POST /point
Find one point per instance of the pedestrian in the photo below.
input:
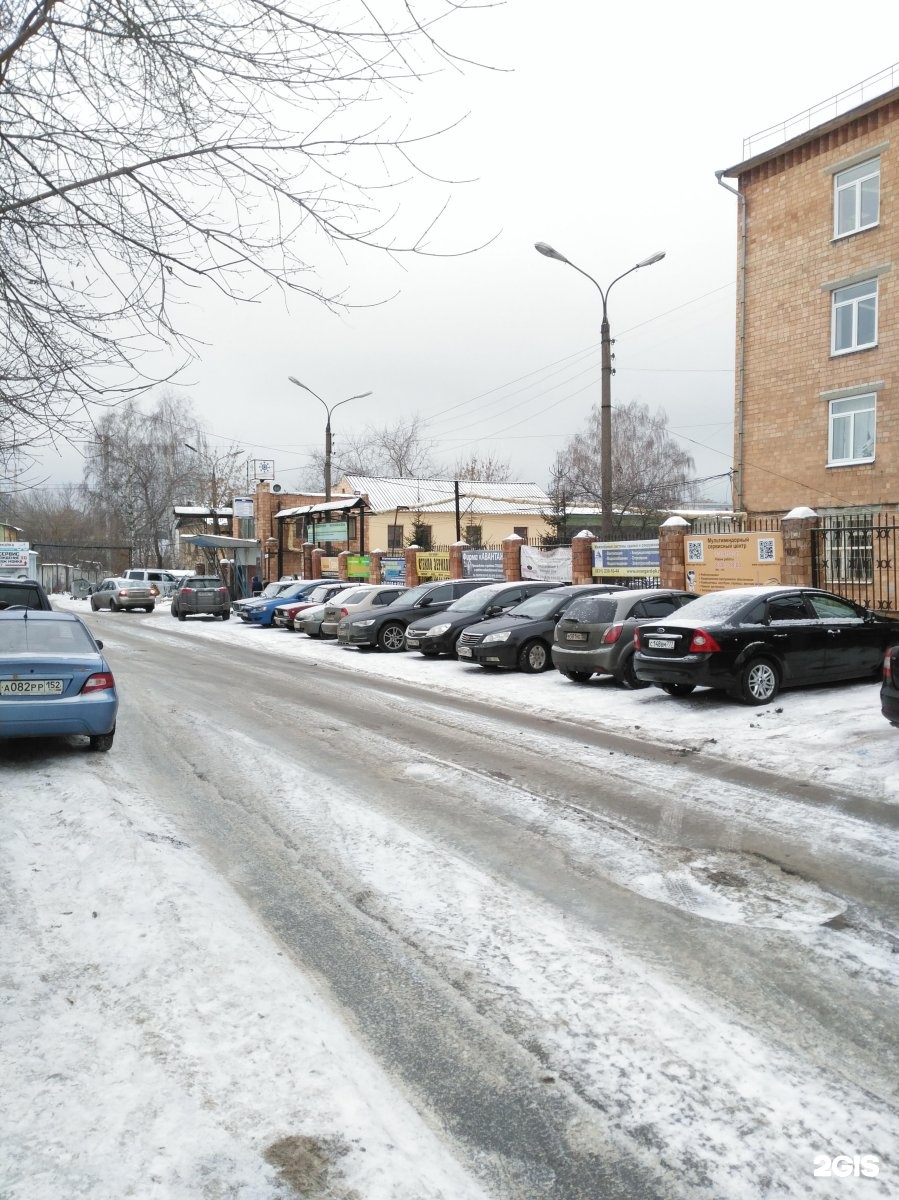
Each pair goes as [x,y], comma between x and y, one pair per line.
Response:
[256,585]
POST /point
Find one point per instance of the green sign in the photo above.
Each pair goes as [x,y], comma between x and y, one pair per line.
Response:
[357,566]
[330,531]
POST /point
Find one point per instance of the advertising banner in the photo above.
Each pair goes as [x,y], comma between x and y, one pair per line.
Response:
[551,565]
[627,560]
[330,567]
[432,566]
[357,566]
[393,568]
[482,564]
[14,554]
[242,507]
[724,560]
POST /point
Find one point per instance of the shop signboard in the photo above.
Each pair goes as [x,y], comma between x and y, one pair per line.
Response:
[482,564]
[357,566]
[14,554]
[552,565]
[329,531]
[432,566]
[393,568]
[725,560]
[627,560]
[242,507]
[330,567]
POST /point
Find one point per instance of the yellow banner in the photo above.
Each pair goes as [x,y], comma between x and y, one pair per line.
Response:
[432,566]
[725,560]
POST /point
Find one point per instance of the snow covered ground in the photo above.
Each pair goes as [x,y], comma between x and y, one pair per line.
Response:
[193,1060]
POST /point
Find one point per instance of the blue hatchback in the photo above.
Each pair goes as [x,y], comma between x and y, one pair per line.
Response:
[262,610]
[53,679]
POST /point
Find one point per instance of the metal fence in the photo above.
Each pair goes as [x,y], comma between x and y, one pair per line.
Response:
[737,524]
[857,558]
[63,562]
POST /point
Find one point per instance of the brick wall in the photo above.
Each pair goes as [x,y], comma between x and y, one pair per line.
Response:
[791,255]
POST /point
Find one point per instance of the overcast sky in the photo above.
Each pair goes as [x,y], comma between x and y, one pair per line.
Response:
[600,134]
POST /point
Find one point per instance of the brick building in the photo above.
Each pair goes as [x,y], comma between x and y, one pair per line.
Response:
[817,391]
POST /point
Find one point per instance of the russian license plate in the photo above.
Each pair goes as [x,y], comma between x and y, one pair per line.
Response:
[575,637]
[31,687]
[413,642]
[464,651]
[660,643]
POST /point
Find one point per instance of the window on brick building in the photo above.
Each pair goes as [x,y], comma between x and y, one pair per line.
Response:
[853,423]
[854,317]
[522,531]
[395,537]
[856,198]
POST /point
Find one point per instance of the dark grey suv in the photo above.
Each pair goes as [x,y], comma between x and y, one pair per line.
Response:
[23,593]
[201,595]
[387,629]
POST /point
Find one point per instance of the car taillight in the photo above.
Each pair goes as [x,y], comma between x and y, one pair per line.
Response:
[123,591]
[186,590]
[703,643]
[612,634]
[888,666]
[99,682]
[637,645]
[222,591]
[344,612]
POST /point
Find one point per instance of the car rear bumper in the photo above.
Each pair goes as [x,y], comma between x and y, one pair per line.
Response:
[889,704]
[89,715]
[566,659]
[697,670]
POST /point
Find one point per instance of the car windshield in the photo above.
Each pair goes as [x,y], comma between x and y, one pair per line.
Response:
[542,605]
[475,600]
[592,610]
[415,594]
[45,637]
[351,597]
[273,589]
[320,593]
[28,596]
[200,583]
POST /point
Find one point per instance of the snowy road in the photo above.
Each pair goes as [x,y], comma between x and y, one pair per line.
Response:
[356,926]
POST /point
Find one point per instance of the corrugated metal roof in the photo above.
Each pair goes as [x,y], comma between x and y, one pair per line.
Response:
[306,509]
[476,496]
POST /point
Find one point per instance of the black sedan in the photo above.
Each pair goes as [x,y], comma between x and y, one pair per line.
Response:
[751,642]
[438,633]
[386,628]
[523,636]
[889,688]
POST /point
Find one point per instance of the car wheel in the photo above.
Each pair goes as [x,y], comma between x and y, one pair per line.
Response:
[627,676]
[313,633]
[578,676]
[534,657]
[225,616]
[149,608]
[113,607]
[182,616]
[678,689]
[94,608]
[102,741]
[759,682]
[392,637]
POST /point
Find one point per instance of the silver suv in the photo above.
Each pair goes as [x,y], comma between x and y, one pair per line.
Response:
[165,581]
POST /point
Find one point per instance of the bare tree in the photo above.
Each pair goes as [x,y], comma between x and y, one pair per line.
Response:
[149,148]
[397,451]
[484,467]
[138,468]
[650,471]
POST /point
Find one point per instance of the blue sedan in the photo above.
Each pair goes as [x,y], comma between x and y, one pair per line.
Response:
[53,679]
[261,611]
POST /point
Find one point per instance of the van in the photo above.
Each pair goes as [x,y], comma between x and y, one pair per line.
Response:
[166,581]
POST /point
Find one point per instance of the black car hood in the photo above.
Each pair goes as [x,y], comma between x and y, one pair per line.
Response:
[497,624]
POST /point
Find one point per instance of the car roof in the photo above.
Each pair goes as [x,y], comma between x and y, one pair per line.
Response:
[37,614]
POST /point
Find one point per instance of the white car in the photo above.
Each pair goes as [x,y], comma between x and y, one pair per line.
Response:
[365,595]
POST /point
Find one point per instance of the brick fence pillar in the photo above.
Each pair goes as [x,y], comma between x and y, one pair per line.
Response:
[582,557]
[374,566]
[672,572]
[307,549]
[796,528]
[341,565]
[412,566]
[315,564]
[512,558]
[456,567]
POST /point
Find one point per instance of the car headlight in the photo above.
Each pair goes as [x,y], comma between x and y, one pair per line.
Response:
[498,637]
[363,624]
[437,630]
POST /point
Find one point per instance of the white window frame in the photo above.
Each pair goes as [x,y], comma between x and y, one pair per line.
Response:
[855,185]
[832,415]
[837,304]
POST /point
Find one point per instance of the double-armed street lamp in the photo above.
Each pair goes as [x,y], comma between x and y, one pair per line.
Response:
[329,408]
[605,461]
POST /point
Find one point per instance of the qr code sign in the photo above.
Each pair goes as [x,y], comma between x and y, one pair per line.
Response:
[694,552]
[766,550]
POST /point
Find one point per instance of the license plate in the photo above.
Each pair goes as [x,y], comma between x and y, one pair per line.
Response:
[413,642]
[660,643]
[464,651]
[31,687]
[575,637]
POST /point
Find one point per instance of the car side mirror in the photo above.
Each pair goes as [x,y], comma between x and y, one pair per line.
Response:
[99,644]
[494,610]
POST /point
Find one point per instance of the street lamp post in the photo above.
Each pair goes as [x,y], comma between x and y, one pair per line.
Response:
[605,449]
[328,409]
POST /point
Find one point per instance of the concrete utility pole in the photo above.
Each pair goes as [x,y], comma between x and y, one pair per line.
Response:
[605,450]
[328,409]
